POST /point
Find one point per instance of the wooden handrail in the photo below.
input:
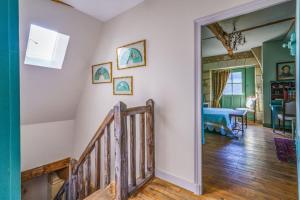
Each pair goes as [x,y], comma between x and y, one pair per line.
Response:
[79,184]
[45,169]
[100,131]
[137,110]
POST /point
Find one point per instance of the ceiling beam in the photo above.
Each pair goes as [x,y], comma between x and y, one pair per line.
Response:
[221,35]
[220,58]
[260,26]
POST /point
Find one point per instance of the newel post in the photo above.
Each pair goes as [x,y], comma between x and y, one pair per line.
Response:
[71,187]
[150,138]
[121,152]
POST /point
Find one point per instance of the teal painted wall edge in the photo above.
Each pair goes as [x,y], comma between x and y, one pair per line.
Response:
[297,88]
[9,101]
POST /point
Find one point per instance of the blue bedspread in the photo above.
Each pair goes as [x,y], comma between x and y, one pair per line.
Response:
[217,119]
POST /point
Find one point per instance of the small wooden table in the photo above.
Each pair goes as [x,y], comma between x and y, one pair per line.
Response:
[242,114]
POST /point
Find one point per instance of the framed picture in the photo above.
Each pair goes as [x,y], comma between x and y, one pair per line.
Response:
[132,55]
[102,73]
[286,70]
[123,85]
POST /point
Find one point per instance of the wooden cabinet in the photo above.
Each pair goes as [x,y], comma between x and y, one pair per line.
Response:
[284,90]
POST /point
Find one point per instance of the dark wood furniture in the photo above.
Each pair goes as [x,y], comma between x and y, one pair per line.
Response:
[239,114]
[250,107]
[281,92]
[284,90]
[288,114]
[276,108]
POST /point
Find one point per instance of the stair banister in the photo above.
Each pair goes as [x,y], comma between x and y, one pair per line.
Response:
[121,152]
[78,186]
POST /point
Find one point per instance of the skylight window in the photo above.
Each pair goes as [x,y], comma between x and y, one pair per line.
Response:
[46,48]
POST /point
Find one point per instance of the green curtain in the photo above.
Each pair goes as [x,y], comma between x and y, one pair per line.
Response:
[219,80]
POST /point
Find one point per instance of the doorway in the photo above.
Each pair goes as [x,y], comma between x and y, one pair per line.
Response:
[200,100]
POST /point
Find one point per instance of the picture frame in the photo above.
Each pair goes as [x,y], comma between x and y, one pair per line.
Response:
[102,73]
[132,55]
[123,85]
[285,70]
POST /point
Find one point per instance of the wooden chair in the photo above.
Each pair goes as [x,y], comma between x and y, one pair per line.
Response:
[288,114]
[250,106]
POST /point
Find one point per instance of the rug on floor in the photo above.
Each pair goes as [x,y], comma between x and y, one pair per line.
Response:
[286,149]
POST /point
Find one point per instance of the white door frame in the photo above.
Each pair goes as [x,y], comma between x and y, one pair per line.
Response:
[198,23]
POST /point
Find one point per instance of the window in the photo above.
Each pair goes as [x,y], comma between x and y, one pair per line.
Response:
[46,48]
[234,85]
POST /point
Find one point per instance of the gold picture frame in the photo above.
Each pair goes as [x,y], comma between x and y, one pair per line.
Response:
[132,55]
[123,85]
[100,73]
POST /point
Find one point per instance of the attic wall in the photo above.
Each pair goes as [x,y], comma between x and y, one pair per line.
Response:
[45,143]
[168,27]
[49,95]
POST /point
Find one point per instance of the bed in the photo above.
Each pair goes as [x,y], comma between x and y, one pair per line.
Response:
[217,119]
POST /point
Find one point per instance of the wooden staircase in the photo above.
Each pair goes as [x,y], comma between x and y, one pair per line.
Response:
[85,181]
[109,193]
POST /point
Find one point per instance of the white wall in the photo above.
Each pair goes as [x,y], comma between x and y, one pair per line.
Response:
[168,27]
[45,143]
[50,94]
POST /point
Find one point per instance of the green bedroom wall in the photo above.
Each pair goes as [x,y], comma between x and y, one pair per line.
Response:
[9,101]
[239,101]
[273,52]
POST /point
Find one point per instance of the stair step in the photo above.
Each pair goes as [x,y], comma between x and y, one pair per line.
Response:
[103,194]
[100,194]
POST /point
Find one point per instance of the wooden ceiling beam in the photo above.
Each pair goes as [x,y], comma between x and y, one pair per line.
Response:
[261,26]
[220,58]
[221,35]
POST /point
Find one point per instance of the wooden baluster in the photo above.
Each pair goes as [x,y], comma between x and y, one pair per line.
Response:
[67,191]
[74,188]
[70,178]
[142,146]
[107,155]
[133,150]
[121,160]
[88,176]
[80,183]
[150,138]
[97,163]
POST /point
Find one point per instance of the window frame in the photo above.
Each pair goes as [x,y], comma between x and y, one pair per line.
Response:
[232,83]
[59,51]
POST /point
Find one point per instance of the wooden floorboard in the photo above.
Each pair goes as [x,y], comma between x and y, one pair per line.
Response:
[247,168]
[244,169]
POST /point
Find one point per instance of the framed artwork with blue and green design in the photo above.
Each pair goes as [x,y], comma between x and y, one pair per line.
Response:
[102,73]
[123,85]
[132,55]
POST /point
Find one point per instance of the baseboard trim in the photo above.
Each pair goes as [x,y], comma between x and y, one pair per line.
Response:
[267,125]
[195,188]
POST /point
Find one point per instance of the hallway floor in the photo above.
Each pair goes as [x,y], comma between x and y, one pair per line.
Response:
[247,168]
